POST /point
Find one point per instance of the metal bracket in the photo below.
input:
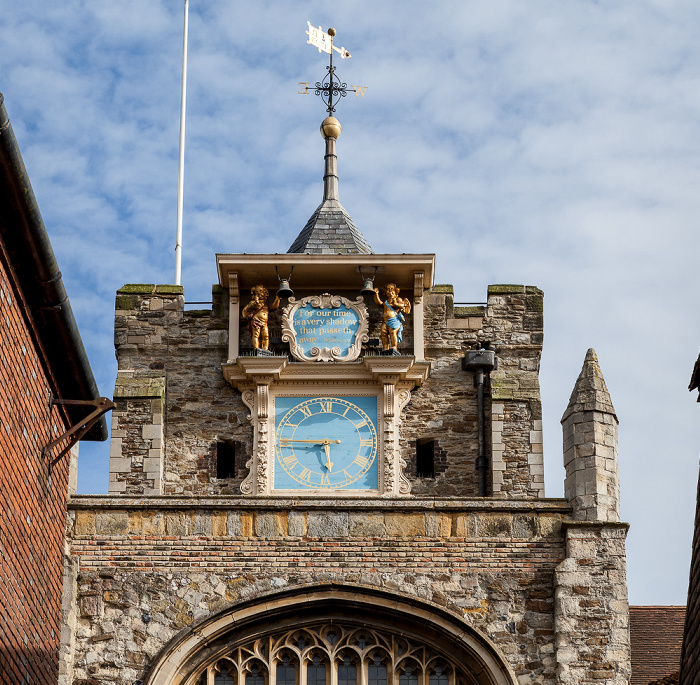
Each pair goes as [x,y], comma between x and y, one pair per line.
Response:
[102,406]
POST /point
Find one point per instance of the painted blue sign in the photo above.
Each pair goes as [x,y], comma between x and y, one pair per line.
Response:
[325,328]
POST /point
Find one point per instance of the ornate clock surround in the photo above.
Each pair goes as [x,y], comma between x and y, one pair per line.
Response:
[261,379]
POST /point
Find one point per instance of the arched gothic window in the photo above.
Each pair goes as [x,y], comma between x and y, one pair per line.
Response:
[334,654]
[342,635]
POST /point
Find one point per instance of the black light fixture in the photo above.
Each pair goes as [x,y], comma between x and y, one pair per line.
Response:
[368,287]
[284,289]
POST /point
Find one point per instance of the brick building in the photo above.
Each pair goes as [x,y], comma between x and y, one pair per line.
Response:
[345,507]
[41,359]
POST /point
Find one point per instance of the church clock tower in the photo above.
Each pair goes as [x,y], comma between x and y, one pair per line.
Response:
[335,476]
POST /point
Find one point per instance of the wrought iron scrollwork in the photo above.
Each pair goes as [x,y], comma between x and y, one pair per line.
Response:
[331,88]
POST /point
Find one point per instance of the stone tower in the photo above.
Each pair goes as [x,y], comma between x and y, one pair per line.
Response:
[316,490]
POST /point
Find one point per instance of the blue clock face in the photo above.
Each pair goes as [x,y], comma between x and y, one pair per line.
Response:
[326,443]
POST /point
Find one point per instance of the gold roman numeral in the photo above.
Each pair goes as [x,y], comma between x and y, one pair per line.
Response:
[305,475]
[359,425]
[361,461]
[290,460]
[325,480]
[326,407]
[367,443]
[305,411]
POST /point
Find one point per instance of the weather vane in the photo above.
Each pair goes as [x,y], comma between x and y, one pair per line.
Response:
[331,89]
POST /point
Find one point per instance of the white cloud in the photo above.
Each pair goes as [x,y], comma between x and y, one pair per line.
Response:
[557,147]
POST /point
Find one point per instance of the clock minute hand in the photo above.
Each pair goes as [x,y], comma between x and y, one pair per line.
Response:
[320,441]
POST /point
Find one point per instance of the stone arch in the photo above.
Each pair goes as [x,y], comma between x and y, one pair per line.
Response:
[187,656]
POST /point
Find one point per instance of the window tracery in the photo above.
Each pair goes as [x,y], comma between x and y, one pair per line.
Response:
[334,654]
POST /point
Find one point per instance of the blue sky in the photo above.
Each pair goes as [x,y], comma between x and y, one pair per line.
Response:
[555,144]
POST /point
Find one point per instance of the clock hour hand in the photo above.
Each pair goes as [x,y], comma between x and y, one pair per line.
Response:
[327,449]
[322,441]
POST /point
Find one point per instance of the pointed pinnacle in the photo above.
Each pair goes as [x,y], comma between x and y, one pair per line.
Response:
[590,392]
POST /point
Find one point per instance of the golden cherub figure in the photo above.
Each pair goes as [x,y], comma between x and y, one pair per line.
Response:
[256,312]
[393,317]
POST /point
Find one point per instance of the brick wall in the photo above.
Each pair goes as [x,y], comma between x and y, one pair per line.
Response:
[33,502]
[149,568]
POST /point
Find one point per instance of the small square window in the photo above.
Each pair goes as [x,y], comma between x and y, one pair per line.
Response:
[226,459]
[425,458]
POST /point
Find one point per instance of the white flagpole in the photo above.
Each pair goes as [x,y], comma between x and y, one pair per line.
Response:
[181,165]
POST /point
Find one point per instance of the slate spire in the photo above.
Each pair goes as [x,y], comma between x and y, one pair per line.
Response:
[330,230]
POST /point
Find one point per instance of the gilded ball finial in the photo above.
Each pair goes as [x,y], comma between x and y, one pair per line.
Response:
[331,32]
[330,128]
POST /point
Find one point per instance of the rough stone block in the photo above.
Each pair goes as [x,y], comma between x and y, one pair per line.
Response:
[146,523]
[270,524]
[438,525]
[328,524]
[404,525]
[367,524]
[112,523]
[84,522]
[201,524]
[247,524]
[91,606]
[234,526]
[550,526]
[464,526]
[525,526]
[219,524]
[494,525]
[296,524]
[176,524]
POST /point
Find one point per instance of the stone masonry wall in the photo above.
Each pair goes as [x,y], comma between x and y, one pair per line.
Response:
[444,407]
[592,613]
[514,325]
[136,451]
[155,336]
[148,569]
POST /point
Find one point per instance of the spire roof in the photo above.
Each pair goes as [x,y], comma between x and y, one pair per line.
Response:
[330,230]
[590,392]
